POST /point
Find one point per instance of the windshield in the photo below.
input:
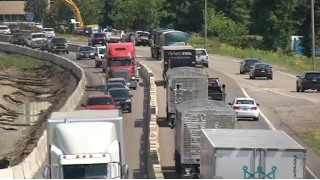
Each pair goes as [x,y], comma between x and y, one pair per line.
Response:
[119,94]
[48,29]
[2,28]
[59,40]
[245,102]
[102,51]
[115,85]
[17,35]
[38,36]
[251,61]
[85,49]
[85,171]
[201,52]
[100,101]
[116,81]
[143,34]
[120,62]
[99,35]
[13,26]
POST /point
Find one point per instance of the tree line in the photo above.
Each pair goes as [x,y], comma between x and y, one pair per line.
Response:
[262,24]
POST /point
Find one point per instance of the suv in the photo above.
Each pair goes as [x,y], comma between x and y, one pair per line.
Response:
[202,57]
[142,38]
[308,80]
[49,32]
[4,29]
[246,64]
[36,40]
[57,45]
[97,38]
[99,56]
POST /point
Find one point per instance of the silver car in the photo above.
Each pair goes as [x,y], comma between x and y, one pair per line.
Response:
[202,57]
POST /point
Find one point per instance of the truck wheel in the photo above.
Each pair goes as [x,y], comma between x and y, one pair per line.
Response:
[104,70]
[130,110]
[177,162]
[134,88]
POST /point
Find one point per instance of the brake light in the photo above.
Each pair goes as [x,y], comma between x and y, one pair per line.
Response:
[236,107]
[254,108]
[257,70]
[269,70]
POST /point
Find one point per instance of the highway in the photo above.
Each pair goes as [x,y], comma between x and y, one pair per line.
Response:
[134,123]
[272,95]
[280,105]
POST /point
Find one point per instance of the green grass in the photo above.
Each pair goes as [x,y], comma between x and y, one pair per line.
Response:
[293,64]
[71,37]
[18,61]
[313,138]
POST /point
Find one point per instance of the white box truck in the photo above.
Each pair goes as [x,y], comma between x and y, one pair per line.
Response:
[250,154]
[86,144]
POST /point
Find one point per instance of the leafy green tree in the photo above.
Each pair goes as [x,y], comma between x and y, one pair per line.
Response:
[38,7]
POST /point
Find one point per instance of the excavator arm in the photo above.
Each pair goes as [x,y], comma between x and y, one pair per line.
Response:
[72,5]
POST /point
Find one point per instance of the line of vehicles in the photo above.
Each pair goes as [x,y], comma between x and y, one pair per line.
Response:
[207,145]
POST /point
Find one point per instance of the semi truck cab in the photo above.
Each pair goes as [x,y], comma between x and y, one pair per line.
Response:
[122,62]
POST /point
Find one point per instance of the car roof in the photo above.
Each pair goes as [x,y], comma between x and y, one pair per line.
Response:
[311,72]
[117,89]
[3,26]
[36,33]
[100,47]
[262,63]
[244,98]
[100,96]
[252,59]
[116,79]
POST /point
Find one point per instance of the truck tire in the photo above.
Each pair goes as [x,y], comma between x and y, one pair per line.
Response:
[104,70]
[130,110]
[177,162]
[134,88]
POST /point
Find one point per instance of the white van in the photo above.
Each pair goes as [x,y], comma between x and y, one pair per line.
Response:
[99,55]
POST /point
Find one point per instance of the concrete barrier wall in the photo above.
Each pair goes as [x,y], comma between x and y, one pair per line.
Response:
[154,167]
[32,163]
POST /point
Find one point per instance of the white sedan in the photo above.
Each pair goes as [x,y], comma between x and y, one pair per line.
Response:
[246,108]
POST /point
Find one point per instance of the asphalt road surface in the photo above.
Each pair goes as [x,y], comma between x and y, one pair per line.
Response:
[134,123]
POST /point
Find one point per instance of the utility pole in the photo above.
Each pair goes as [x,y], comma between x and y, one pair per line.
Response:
[205,25]
[313,36]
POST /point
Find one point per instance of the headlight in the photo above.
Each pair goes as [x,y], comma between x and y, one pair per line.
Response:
[66,45]
[133,78]
[81,54]
[128,100]
[91,54]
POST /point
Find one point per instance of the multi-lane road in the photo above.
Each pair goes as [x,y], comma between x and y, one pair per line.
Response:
[279,106]
[135,126]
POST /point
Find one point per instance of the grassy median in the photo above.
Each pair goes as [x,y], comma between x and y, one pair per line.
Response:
[313,138]
[18,61]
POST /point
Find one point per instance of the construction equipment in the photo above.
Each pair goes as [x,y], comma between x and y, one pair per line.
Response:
[77,26]
[183,84]
[191,117]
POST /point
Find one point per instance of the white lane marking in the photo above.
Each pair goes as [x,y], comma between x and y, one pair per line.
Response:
[287,74]
[261,113]
[290,95]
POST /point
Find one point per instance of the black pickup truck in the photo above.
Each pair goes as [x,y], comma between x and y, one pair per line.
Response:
[216,91]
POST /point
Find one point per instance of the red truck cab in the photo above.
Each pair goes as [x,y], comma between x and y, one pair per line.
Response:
[122,63]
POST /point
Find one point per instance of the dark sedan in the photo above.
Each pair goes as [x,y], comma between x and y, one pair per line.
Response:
[261,70]
[55,45]
[85,52]
[246,64]
[122,96]
[308,80]
[18,38]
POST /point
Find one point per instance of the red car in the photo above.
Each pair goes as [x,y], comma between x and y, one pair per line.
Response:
[100,102]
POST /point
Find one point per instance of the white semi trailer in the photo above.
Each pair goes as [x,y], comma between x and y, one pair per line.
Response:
[86,144]
[250,154]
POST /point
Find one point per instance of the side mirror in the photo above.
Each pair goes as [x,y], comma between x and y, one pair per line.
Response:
[258,104]
[125,171]
[46,172]
[223,86]
[122,170]
[117,103]
[297,76]
[68,41]
[230,104]
[131,95]
[83,105]
[139,68]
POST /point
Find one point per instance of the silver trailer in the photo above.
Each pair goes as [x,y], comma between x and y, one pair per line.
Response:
[184,84]
[250,154]
[191,117]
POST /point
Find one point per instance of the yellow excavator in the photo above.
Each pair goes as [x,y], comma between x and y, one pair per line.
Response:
[76,25]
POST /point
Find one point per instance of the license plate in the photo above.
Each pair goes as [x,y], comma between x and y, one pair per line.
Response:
[118,107]
[245,109]
[314,80]
[263,71]
[100,41]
